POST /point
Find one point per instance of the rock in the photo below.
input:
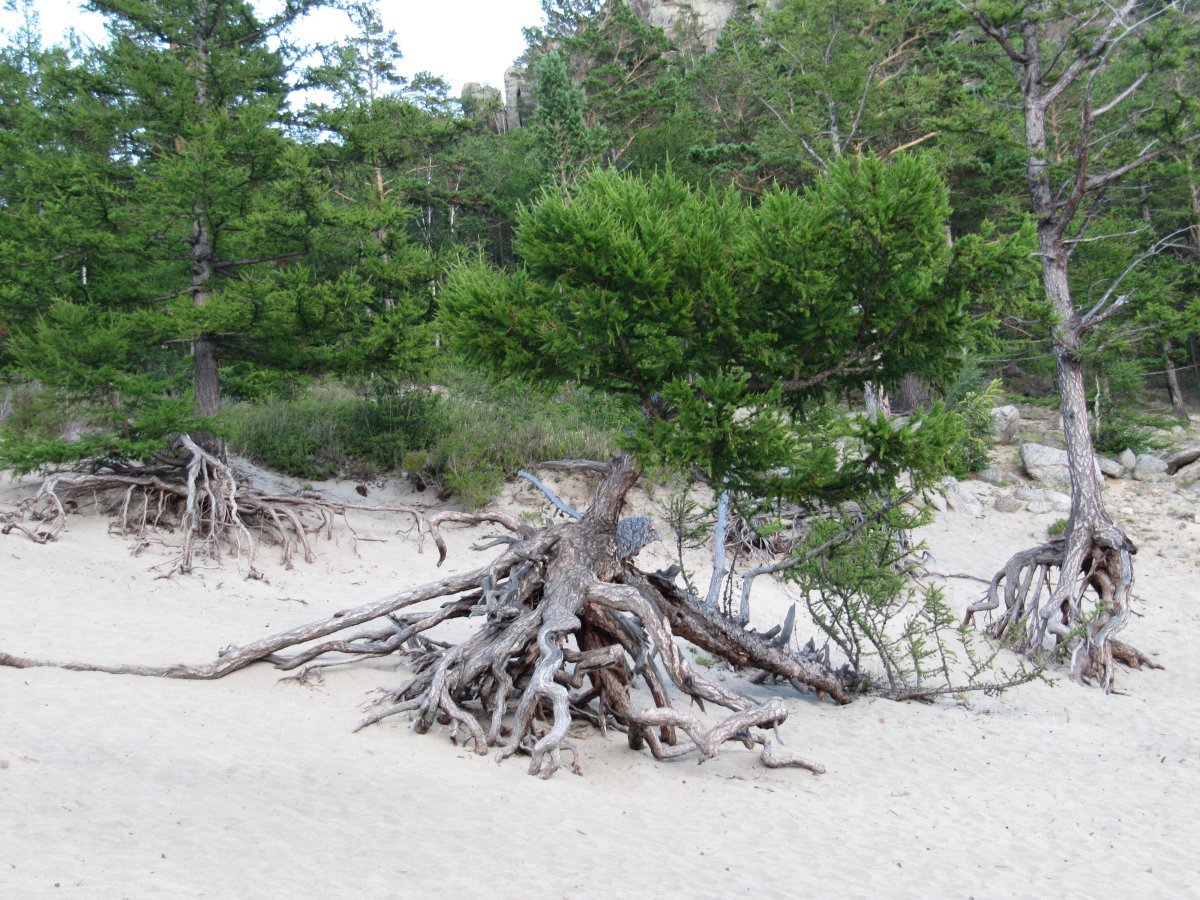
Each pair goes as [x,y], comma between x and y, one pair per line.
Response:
[518,97]
[1110,467]
[1008,503]
[1005,422]
[1027,494]
[1188,473]
[938,502]
[1061,502]
[1039,506]
[704,17]
[960,499]
[1149,468]
[484,103]
[994,475]
[1127,459]
[1047,464]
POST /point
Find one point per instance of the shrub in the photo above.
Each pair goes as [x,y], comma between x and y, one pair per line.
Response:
[972,450]
[331,431]
[467,441]
[494,429]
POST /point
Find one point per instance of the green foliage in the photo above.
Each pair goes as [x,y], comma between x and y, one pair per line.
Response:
[971,448]
[154,226]
[329,432]
[467,440]
[562,136]
[494,429]
[725,321]
[1116,426]
[861,597]
[1056,528]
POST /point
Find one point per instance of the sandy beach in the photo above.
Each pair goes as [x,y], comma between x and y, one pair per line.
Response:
[117,786]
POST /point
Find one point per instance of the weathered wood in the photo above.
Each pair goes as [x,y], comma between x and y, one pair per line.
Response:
[1177,461]
[568,626]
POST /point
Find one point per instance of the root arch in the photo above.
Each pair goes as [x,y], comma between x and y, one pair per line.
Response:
[1045,592]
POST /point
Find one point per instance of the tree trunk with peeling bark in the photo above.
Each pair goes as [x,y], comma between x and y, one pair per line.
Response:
[1094,553]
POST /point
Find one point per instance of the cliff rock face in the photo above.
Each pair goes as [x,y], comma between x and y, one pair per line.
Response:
[517,97]
[701,19]
[485,103]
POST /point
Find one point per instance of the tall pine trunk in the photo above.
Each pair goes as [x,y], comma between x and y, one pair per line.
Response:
[204,348]
[205,370]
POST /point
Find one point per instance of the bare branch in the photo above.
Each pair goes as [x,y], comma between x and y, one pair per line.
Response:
[1125,94]
[550,495]
[1151,153]
[719,538]
[1104,237]
[1080,64]
[1099,312]
[996,33]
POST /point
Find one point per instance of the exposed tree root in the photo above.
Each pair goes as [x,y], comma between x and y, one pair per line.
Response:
[568,628]
[200,496]
[1096,557]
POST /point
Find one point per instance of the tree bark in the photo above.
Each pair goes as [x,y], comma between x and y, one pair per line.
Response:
[1094,553]
[204,348]
[1174,392]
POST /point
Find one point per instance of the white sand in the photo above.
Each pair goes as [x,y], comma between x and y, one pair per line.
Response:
[249,787]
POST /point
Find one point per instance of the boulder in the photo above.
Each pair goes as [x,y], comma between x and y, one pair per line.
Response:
[1008,503]
[1026,493]
[1127,459]
[1188,473]
[938,502]
[994,475]
[1177,461]
[1110,467]
[960,499]
[1005,422]
[1047,464]
[1059,501]
[1150,468]
[1039,506]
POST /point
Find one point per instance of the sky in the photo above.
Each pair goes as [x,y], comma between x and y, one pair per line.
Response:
[460,40]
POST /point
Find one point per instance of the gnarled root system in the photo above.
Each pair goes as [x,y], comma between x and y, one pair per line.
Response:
[568,627]
[1094,556]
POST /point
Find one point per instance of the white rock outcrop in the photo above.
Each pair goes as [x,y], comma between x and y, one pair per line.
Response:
[1005,422]
[1048,464]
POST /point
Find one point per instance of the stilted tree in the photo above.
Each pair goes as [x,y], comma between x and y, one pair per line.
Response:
[1070,59]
